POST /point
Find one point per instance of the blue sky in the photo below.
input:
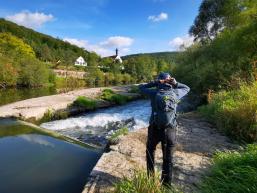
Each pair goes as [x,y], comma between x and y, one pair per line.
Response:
[134,26]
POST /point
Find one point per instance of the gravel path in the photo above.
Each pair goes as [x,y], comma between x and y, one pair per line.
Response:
[197,141]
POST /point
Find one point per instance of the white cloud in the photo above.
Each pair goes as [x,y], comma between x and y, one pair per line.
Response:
[77,42]
[117,41]
[179,43]
[98,48]
[156,18]
[31,20]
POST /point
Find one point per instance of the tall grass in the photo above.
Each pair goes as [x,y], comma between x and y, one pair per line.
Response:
[233,172]
[85,102]
[113,97]
[142,183]
[234,112]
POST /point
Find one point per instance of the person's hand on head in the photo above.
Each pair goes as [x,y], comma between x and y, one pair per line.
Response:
[162,81]
[172,81]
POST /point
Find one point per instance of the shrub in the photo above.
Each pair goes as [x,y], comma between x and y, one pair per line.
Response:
[111,96]
[234,172]
[85,102]
[32,72]
[142,183]
[8,73]
[68,83]
[234,112]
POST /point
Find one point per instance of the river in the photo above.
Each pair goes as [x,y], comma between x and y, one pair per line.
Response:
[11,95]
[95,127]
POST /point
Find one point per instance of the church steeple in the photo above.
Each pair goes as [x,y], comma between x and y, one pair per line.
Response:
[117,52]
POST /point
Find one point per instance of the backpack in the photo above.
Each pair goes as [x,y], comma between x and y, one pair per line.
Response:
[165,113]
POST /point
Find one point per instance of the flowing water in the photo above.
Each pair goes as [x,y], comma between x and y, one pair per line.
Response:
[36,160]
[94,127]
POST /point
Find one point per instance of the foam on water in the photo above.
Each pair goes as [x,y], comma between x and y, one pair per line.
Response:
[139,110]
[95,122]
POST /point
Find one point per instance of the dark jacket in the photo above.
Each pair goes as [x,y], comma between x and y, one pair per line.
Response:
[151,90]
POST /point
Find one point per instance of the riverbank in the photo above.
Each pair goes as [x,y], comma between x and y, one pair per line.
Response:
[197,141]
[34,109]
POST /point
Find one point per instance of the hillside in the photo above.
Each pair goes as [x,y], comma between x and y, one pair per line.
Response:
[168,57]
[46,47]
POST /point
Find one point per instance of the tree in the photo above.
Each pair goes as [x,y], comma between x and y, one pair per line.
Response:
[13,46]
[8,73]
[32,72]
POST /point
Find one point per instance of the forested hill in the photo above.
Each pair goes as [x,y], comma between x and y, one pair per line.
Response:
[46,47]
[169,57]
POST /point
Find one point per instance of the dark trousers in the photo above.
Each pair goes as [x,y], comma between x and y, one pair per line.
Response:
[167,137]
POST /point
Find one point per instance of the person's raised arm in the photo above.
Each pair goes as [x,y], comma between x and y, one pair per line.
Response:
[148,88]
[181,89]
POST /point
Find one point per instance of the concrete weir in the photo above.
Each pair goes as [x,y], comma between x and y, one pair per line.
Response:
[35,108]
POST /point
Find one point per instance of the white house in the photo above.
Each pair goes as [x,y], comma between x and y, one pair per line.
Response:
[80,62]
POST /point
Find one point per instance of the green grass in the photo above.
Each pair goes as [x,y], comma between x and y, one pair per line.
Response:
[51,115]
[85,102]
[142,183]
[113,97]
[117,133]
[233,172]
[234,112]
[134,89]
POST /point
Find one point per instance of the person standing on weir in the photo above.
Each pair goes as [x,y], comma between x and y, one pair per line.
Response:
[164,94]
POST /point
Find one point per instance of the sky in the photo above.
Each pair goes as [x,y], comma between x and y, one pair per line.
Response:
[132,26]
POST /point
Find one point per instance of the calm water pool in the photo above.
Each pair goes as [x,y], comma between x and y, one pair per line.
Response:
[37,161]
[11,95]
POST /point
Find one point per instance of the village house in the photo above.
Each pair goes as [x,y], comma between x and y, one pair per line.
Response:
[80,62]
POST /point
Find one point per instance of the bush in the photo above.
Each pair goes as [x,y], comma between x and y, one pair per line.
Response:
[68,83]
[234,172]
[32,72]
[85,102]
[111,96]
[8,73]
[234,112]
[142,183]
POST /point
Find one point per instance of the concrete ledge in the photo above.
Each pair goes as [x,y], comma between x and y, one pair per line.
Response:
[34,109]
[197,141]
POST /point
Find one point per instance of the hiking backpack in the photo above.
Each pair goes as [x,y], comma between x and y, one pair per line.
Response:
[166,104]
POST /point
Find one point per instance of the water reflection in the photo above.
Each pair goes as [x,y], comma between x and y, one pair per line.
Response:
[13,94]
[34,160]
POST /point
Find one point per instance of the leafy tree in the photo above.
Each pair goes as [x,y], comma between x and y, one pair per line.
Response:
[216,15]
[32,72]
[8,73]
[13,46]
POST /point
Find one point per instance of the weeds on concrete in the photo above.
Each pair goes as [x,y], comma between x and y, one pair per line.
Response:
[111,96]
[140,182]
[85,102]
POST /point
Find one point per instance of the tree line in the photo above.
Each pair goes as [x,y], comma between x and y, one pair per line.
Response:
[225,47]
[28,57]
